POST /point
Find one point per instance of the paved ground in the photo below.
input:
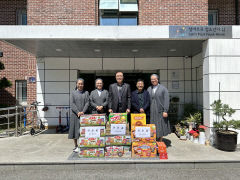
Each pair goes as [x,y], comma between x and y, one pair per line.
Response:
[47,157]
[57,148]
[114,172]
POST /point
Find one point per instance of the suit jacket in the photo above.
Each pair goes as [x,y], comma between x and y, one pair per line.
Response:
[135,102]
[96,100]
[125,97]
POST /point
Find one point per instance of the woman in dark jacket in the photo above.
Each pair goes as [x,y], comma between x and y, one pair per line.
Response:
[141,100]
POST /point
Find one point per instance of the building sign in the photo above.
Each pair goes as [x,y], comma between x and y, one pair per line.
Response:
[32,79]
[200,32]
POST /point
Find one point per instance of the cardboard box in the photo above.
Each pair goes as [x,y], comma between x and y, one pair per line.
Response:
[142,150]
[108,129]
[162,148]
[138,119]
[102,130]
[118,151]
[163,156]
[118,118]
[92,142]
[118,140]
[91,152]
[149,134]
[93,120]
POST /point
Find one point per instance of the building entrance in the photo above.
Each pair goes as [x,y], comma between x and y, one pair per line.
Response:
[108,77]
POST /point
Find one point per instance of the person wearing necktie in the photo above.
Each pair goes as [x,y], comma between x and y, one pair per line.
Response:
[119,96]
[99,98]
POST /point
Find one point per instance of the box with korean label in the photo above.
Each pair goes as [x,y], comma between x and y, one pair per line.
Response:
[118,151]
[93,120]
[146,133]
[117,129]
[92,142]
[92,131]
[138,119]
[118,140]
[118,118]
[142,150]
[91,152]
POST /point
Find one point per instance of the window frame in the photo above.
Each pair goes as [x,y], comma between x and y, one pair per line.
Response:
[213,12]
[119,15]
[19,14]
[20,99]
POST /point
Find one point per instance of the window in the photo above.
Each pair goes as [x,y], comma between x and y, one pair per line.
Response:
[212,17]
[118,12]
[22,17]
[21,91]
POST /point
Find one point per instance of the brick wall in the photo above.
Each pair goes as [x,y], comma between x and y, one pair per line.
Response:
[173,12]
[226,11]
[62,12]
[18,63]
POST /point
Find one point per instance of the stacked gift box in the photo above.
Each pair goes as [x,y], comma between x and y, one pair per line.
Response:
[162,150]
[92,135]
[118,139]
[143,137]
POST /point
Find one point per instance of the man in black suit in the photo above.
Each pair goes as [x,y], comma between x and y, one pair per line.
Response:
[140,100]
[119,96]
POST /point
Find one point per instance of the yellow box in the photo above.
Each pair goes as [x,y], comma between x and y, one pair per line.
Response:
[151,138]
[138,119]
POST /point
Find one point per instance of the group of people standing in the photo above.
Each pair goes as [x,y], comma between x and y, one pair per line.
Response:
[154,102]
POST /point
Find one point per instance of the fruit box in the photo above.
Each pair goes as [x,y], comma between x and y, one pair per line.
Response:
[118,118]
[108,129]
[92,142]
[93,120]
[91,152]
[102,131]
[141,150]
[147,134]
[162,148]
[118,151]
[138,119]
[118,140]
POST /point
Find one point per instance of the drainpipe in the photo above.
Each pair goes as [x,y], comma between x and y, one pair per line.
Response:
[237,11]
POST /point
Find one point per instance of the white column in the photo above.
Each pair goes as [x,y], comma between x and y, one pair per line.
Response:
[221,63]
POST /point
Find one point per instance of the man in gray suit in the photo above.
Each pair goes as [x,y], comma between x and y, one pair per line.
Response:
[119,96]
[99,98]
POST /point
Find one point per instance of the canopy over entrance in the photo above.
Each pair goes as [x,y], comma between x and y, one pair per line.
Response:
[111,41]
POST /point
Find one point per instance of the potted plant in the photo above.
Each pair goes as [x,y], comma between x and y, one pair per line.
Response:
[191,132]
[195,137]
[225,139]
[202,137]
[183,134]
[192,120]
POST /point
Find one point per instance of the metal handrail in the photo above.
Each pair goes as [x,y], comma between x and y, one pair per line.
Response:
[18,117]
